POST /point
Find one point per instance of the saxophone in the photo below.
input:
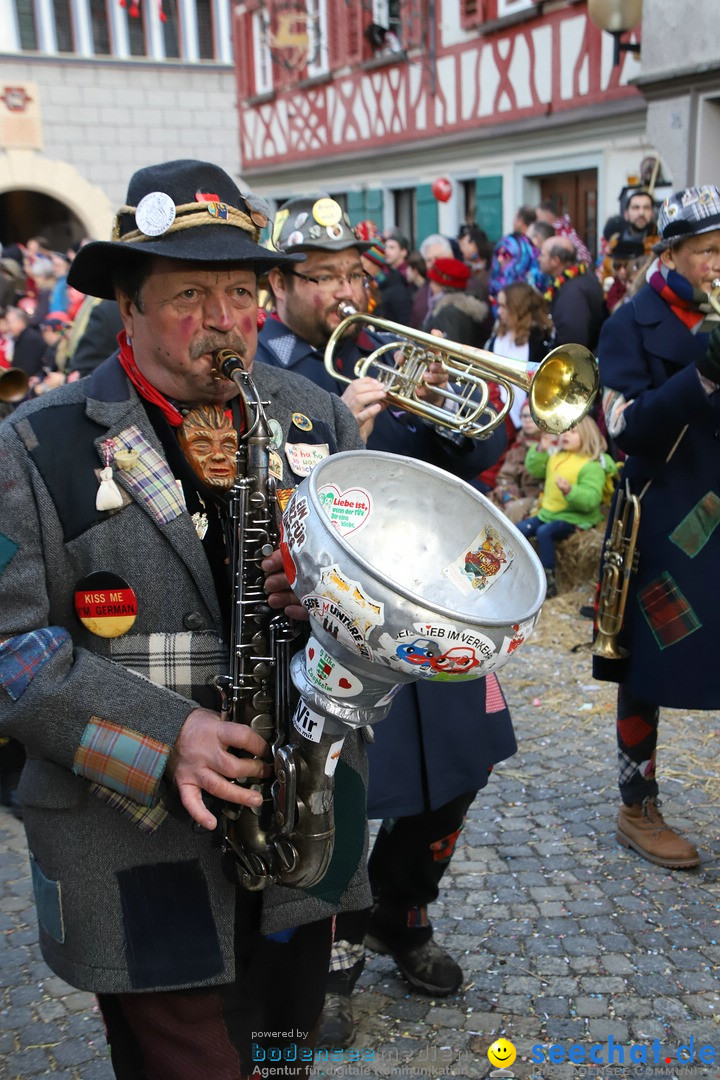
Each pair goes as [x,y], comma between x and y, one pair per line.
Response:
[289,838]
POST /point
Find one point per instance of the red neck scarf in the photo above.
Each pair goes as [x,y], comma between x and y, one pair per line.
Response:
[144,388]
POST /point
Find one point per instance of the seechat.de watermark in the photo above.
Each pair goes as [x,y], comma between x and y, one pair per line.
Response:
[613,1053]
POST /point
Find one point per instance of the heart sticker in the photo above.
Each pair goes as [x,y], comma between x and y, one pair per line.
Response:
[348,510]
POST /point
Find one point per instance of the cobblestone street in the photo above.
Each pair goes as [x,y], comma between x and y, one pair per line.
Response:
[565,937]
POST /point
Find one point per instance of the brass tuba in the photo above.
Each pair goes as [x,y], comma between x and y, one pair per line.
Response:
[560,389]
[619,562]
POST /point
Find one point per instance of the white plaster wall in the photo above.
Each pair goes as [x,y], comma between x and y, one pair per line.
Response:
[679,34]
[106,119]
[669,126]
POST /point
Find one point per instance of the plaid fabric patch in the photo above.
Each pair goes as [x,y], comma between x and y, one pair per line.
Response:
[147,818]
[345,956]
[626,767]
[417,917]
[614,405]
[150,479]
[120,759]
[668,613]
[23,656]
[694,531]
[494,700]
[8,548]
[630,769]
[185,662]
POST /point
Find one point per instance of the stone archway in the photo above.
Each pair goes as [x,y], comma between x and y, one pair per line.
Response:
[28,171]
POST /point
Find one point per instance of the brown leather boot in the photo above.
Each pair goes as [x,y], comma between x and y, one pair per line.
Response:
[642,828]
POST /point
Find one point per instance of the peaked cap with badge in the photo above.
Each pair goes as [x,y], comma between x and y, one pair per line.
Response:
[690,212]
[186,210]
[314,222]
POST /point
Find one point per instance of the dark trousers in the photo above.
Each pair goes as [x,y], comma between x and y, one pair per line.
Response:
[407,862]
[547,534]
[225,1032]
[637,735]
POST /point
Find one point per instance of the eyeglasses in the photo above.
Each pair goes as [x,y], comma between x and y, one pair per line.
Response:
[334,281]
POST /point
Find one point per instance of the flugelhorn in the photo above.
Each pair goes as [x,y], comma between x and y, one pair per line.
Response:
[560,389]
[619,562]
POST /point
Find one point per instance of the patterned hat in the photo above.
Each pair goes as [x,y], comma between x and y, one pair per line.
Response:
[686,213]
[450,273]
[366,230]
[376,253]
[314,223]
[186,210]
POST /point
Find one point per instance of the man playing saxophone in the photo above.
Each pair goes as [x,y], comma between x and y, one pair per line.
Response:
[659,360]
[116,595]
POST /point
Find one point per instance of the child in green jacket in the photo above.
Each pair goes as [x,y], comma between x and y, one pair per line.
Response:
[574,482]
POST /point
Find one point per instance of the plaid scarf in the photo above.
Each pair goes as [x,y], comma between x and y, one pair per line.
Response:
[690,304]
[567,275]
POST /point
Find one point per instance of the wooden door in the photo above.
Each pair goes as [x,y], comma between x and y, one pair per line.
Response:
[575,193]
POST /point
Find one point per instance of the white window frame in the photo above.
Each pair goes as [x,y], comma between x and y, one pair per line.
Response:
[222,28]
[45,26]
[512,7]
[188,30]
[119,33]
[82,28]
[317,30]
[9,27]
[155,38]
[261,53]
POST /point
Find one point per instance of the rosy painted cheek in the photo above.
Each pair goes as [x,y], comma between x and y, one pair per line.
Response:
[248,326]
[187,327]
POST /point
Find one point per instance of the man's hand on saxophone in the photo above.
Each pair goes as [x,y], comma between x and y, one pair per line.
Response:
[202,760]
[280,595]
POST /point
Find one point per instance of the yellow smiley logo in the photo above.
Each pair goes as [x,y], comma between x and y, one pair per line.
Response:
[502,1053]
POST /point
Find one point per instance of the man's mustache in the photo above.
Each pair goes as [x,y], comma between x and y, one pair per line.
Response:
[212,342]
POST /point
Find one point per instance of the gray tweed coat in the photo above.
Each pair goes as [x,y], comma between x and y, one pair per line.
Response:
[129,895]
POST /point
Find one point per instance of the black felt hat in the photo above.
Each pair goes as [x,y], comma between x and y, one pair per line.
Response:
[186,210]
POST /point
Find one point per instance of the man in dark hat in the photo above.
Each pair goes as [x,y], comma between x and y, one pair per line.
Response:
[422,777]
[660,368]
[114,622]
[456,313]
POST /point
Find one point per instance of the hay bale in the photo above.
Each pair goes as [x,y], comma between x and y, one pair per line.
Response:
[578,559]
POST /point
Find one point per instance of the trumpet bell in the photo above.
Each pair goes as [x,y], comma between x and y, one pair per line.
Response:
[563,388]
[14,385]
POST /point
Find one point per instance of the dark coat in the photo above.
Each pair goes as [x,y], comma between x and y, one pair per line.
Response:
[648,355]
[396,298]
[98,339]
[28,352]
[578,311]
[461,317]
[443,739]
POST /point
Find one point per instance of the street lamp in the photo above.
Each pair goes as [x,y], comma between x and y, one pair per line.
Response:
[617,16]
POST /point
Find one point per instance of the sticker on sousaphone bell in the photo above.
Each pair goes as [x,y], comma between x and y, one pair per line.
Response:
[105,604]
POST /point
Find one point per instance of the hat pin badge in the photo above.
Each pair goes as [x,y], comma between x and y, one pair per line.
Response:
[155,213]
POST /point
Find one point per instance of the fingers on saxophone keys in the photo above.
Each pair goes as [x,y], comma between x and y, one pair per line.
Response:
[242,737]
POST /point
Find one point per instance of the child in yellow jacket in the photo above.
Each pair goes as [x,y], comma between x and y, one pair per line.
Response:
[574,482]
